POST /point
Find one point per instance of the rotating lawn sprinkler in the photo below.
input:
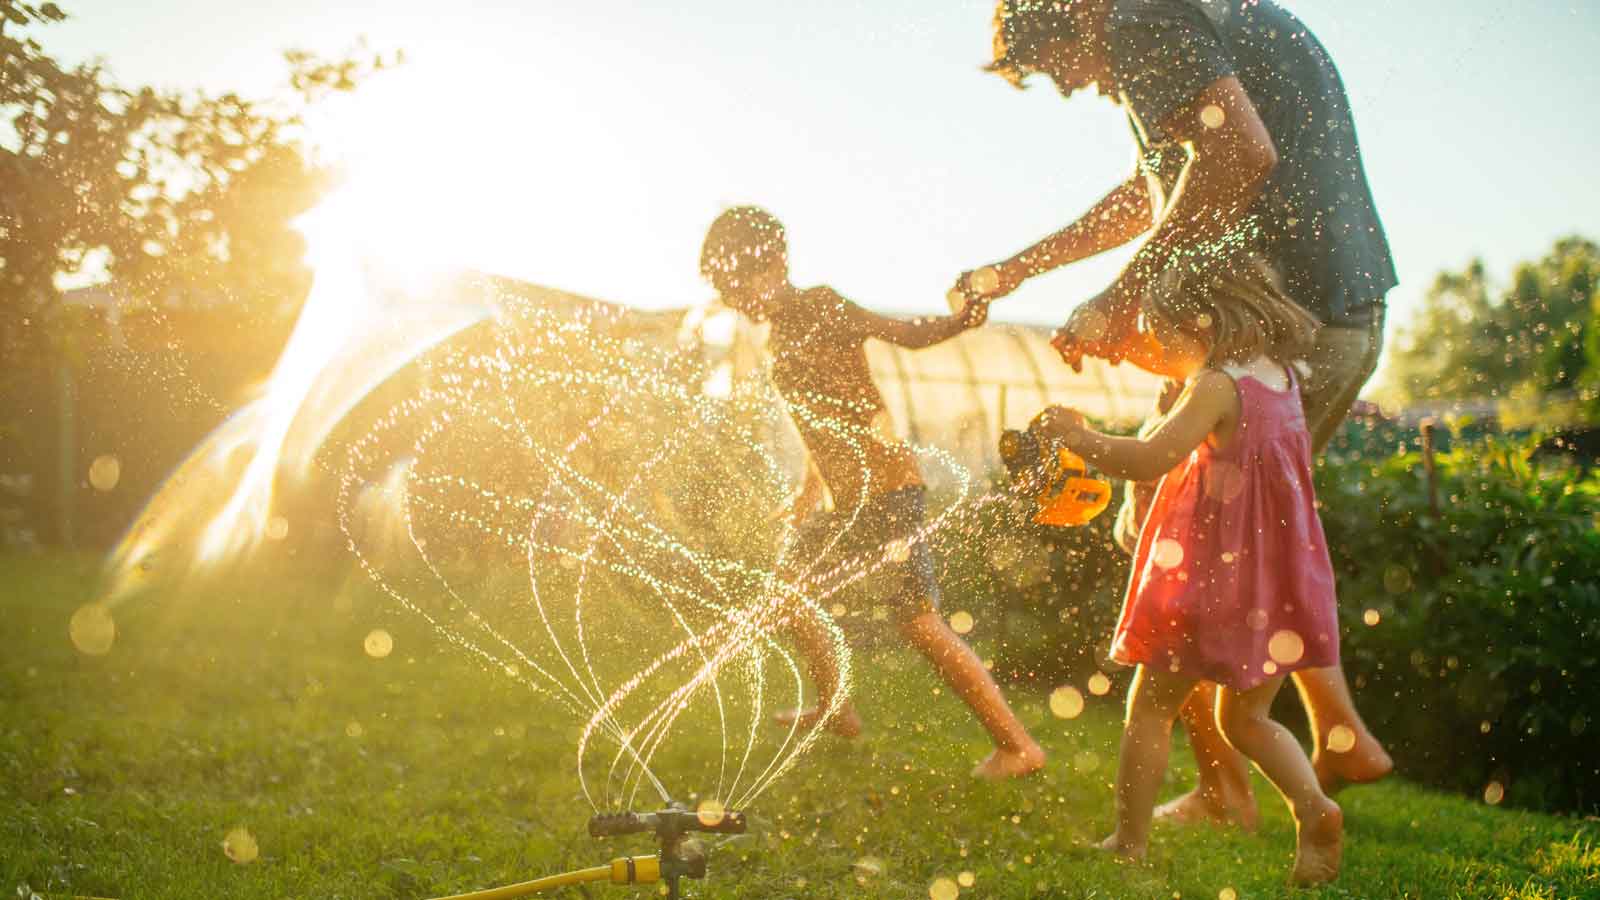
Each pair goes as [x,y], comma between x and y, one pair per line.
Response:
[681,856]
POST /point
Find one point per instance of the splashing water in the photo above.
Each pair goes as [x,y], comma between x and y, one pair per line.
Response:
[355,330]
[582,515]
[578,510]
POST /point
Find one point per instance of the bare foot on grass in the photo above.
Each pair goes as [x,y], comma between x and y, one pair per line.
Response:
[1004,763]
[846,723]
[1319,846]
[1217,808]
[1115,846]
[1365,762]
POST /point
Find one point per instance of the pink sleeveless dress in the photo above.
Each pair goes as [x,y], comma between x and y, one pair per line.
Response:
[1231,578]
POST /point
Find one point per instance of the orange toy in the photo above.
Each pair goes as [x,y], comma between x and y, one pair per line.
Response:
[1061,487]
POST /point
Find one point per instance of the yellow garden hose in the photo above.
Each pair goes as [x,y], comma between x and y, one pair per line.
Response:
[622,870]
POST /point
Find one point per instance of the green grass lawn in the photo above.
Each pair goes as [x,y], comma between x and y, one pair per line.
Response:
[252,705]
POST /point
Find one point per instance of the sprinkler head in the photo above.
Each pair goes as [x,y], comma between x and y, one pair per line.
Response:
[681,856]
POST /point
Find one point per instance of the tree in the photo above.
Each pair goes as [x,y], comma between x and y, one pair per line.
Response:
[1533,345]
[175,197]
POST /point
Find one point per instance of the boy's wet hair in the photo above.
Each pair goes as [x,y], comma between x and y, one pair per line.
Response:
[741,240]
[1237,305]
[1022,27]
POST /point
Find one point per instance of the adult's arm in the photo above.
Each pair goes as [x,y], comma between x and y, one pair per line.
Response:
[1231,158]
[1119,217]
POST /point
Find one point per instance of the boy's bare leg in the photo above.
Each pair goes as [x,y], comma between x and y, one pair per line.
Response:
[822,661]
[1326,696]
[1153,703]
[1244,718]
[1222,793]
[1016,752]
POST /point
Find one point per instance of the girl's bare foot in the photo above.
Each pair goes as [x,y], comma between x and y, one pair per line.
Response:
[1365,762]
[1319,845]
[846,723]
[1114,844]
[1005,763]
[1212,807]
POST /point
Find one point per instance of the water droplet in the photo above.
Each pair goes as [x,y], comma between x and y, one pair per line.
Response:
[1397,579]
[1371,617]
[92,629]
[943,889]
[1494,793]
[1286,647]
[1066,702]
[105,472]
[378,644]
[961,622]
[710,813]
[1227,893]
[1167,554]
[1212,116]
[1341,739]
[1099,684]
[985,280]
[240,846]
[1256,619]
[967,879]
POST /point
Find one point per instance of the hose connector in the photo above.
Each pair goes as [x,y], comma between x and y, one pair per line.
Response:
[636,870]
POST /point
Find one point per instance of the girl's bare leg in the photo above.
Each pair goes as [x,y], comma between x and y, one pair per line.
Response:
[1355,756]
[1153,703]
[1222,793]
[1016,752]
[1319,824]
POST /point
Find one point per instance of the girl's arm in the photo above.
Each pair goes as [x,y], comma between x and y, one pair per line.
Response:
[914,334]
[1207,404]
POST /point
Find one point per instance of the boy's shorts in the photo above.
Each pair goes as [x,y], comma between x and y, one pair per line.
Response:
[903,583]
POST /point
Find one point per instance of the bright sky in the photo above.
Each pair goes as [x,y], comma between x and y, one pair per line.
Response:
[586,146]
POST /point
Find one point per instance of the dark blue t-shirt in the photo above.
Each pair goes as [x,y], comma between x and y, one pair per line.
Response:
[1315,215]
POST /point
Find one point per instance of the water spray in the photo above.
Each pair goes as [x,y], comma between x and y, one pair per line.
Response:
[681,855]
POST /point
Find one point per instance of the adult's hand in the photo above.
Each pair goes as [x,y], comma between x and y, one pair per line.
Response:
[1089,331]
[988,282]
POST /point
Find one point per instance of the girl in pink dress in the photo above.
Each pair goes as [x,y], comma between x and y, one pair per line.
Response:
[1231,580]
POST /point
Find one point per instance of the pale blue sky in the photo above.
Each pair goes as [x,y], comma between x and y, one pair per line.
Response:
[600,138]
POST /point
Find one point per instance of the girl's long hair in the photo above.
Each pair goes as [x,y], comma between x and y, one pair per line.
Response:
[1237,306]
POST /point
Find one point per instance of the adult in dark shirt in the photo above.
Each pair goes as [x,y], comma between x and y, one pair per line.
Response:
[1245,142]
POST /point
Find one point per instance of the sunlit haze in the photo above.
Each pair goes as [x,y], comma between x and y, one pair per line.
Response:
[587,146]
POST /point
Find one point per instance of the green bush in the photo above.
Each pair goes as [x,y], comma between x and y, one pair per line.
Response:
[1480,665]
[1045,599]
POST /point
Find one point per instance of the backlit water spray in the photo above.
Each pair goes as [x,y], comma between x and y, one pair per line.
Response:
[568,497]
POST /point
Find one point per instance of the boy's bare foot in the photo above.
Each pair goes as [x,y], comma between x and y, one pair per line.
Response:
[1319,845]
[1004,763]
[1212,808]
[1365,762]
[846,723]
[1114,844]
